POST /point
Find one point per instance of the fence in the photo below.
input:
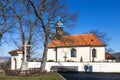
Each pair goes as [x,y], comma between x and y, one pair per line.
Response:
[22,72]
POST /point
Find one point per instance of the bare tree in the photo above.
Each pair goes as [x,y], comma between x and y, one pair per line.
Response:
[6,21]
[39,15]
[104,37]
[48,11]
[5,65]
[25,27]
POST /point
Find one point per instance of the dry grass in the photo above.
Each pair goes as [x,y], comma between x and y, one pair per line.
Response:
[42,76]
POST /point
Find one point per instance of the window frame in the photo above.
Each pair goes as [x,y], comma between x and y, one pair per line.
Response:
[94,53]
[73,53]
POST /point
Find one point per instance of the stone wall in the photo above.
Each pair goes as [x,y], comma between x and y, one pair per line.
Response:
[92,67]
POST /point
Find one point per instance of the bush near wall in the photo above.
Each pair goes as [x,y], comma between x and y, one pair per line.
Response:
[51,60]
[70,60]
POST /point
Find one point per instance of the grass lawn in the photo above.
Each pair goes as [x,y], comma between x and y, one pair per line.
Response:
[45,76]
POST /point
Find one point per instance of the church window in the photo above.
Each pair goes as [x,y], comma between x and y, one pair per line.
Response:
[93,52]
[73,52]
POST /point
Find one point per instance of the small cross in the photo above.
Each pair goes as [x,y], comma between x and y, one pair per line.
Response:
[65,57]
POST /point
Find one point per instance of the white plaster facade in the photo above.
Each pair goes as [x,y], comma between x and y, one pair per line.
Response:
[84,52]
[95,66]
[111,67]
[16,59]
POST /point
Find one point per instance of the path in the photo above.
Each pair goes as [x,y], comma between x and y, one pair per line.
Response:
[91,76]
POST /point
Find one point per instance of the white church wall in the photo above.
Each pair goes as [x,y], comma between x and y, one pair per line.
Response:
[34,64]
[100,53]
[51,54]
[84,52]
[12,63]
[18,58]
[61,52]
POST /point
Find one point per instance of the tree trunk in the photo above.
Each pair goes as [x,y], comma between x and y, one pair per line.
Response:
[0,37]
[43,63]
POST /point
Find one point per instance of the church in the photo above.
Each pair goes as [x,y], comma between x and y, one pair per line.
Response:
[77,48]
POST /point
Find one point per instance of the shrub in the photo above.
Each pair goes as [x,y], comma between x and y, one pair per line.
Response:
[81,59]
[70,60]
[5,65]
[51,61]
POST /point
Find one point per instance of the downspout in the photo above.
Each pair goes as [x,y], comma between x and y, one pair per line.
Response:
[56,54]
[90,53]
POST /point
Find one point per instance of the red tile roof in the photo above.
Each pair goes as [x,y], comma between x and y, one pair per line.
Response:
[16,51]
[109,57]
[76,41]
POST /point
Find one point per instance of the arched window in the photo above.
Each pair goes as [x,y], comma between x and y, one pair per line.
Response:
[73,52]
[93,52]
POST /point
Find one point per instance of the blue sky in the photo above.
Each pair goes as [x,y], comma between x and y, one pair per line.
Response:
[103,15]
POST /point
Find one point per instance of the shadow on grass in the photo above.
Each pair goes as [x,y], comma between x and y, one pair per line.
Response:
[90,76]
